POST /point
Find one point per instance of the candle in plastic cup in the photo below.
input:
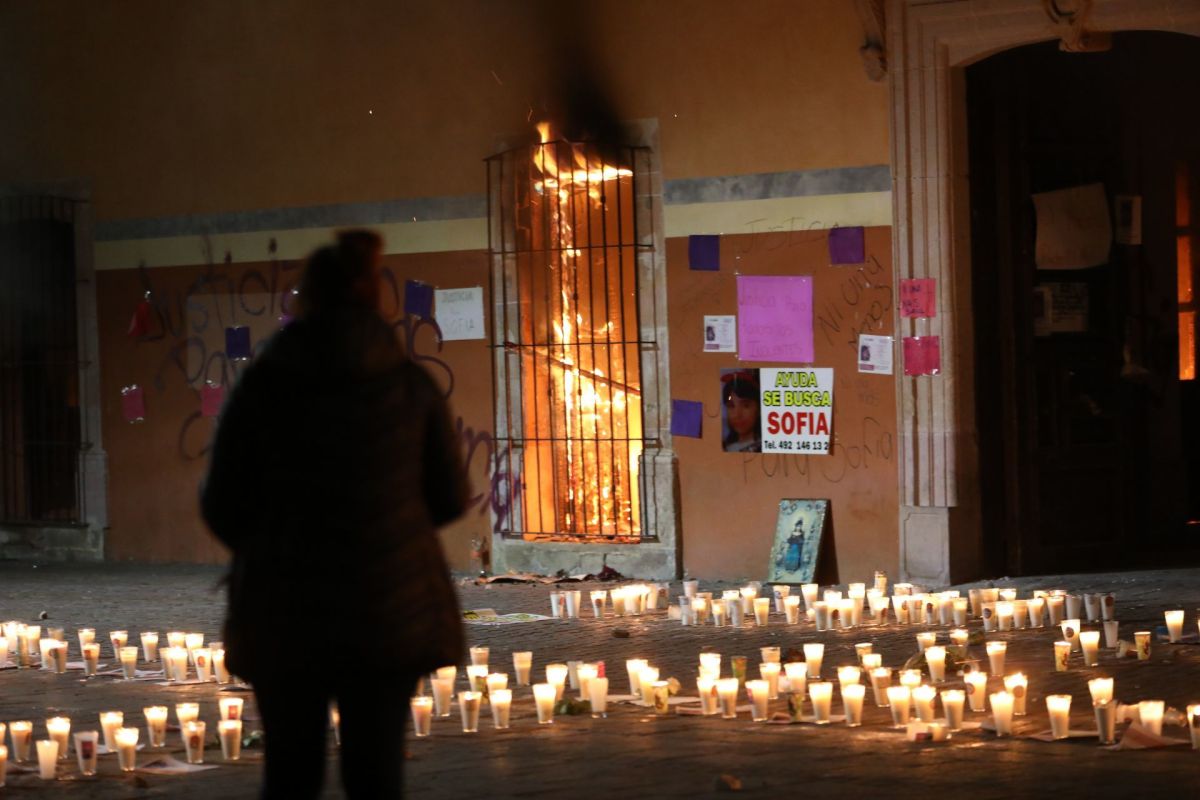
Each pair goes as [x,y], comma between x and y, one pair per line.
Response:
[821,615]
[926,639]
[58,657]
[797,675]
[422,715]
[156,725]
[1142,640]
[501,705]
[1089,643]
[849,675]
[185,713]
[495,681]
[872,661]
[863,649]
[791,609]
[814,653]
[1074,606]
[127,740]
[176,638]
[476,673]
[1070,632]
[1035,609]
[660,696]
[959,637]
[935,659]
[809,592]
[997,652]
[911,678]
[821,695]
[1058,706]
[86,636]
[1106,721]
[522,666]
[149,646]
[1101,689]
[1002,713]
[646,683]
[479,655]
[87,752]
[230,707]
[1054,608]
[727,689]
[1062,656]
[899,699]
[762,610]
[468,706]
[109,722]
[1018,686]
[634,667]
[21,732]
[1004,615]
[193,741]
[118,640]
[770,654]
[852,703]
[47,755]
[710,663]
[976,689]
[952,706]
[1151,714]
[443,691]
[707,689]
[1193,720]
[176,665]
[598,696]
[1020,615]
[1111,634]
[59,729]
[556,676]
[923,698]
[192,642]
[129,662]
[758,692]
[544,696]
[769,671]
[881,679]
[1174,624]
[335,722]
[202,658]
[230,733]
[598,597]
[218,662]
[960,611]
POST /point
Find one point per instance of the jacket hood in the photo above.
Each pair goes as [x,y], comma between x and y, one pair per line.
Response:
[351,341]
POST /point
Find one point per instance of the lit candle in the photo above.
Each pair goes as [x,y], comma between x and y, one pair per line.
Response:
[923,698]
[903,589]
[952,705]
[586,672]
[1007,595]
[821,695]
[186,712]
[21,732]
[1070,633]
[911,678]
[879,606]
[230,707]
[814,654]
[129,662]
[781,592]
[872,661]
[1111,634]
[1150,712]
[852,703]
[699,610]
[706,687]
[762,609]
[118,640]
[976,689]
[479,655]
[544,695]
[156,725]
[86,636]
[899,698]
[1004,616]
[44,646]
[192,641]
[1020,617]
[849,675]
[59,729]
[1036,607]
[618,602]
[176,638]
[1193,715]
[1101,689]
[758,693]
[335,722]
[127,739]
[1002,708]
[1058,706]
[935,659]
[468,706]
[660,695]
[997,652]
[900,608]
[821,615]
[422,715]
[571,599]
[193,740]
[769,671]
[230,731]
[797,677]
[881,679]
[959,637]
[109,722]
[599,597]
[1142,640]
[476,673]
[926,639]
[646,682]
[523,666]
[1174,624]
[1074,606]
[149,646]
[989,617]
[176,663]
[218,662]
[1089,642]
[1106,721]
[791,609]
[1062,656]
[3,651]
[1018,686]
[727,689]
[717,611]
[849,612]
[1054,608]
[91,658]
[86,753]
[597,697]
[809,592]
[443,691]
[47,754]
[634,667]
[748,596]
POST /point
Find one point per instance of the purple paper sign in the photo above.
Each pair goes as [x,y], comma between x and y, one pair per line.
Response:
[704,253]
[237,343]
[775,319]
[846,246]
[418,299]
[687,417]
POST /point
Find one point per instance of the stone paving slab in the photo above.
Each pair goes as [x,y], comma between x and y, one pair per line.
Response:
[633,753]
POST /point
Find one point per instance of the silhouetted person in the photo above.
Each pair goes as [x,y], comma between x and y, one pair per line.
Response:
[334,463]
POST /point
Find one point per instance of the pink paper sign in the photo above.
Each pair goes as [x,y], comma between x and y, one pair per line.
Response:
[922,355]
[775,319]
[133,404]
[211,397]
[918,297]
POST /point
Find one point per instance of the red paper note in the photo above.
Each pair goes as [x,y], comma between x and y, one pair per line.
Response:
[922,355]
[133,404]
[139,325]
[211,397]
[918,297]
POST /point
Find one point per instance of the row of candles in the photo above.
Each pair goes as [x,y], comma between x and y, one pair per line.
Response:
[120,739]
[183,650]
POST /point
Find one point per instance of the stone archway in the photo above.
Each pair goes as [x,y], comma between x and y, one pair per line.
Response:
[929,45]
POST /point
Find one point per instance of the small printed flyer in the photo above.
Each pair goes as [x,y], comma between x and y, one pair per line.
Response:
[797,410]
[720,334]
[875,354]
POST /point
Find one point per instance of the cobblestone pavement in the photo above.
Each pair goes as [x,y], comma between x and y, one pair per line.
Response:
[634,753]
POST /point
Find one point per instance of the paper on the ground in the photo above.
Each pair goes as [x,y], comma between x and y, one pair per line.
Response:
[459,313]
[488,616]
[1073,228]
[166,765]
[1048,736]
[1138,738]
[784,718]
[188,682]
[102,749]
[694,710]
[720,333]
[875,354]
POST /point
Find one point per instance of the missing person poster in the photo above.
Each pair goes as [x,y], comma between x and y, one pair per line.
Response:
[796,409]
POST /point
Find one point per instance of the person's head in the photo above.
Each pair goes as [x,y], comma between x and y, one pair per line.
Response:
[741,405]
[344,275]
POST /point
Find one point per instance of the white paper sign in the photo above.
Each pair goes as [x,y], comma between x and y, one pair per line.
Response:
[875,354]
[1074,230]
[720,334]
[459,313]
[797,410]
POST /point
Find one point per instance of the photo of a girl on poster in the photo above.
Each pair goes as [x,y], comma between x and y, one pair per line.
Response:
[740,431]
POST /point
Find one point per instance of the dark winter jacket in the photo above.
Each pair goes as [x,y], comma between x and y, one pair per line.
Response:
[335,462]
